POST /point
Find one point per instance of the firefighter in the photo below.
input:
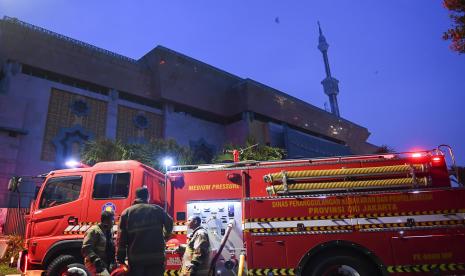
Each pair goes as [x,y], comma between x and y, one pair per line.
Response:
[98,247]
[195,260]
[142,232]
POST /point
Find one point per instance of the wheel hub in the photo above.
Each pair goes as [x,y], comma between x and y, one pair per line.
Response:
[341,270]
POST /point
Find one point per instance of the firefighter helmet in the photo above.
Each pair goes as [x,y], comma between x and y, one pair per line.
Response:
[172,244]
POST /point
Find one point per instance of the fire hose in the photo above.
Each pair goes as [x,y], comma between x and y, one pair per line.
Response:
[348,184]
[211,271]
[276,177]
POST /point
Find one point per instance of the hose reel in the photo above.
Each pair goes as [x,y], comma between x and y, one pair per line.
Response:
[346,178]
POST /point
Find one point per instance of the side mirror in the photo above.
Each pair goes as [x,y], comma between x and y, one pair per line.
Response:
[13,184]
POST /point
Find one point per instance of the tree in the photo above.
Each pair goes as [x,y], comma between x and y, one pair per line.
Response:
[252,151]
[161,148]
[457,33]
[108,150]
[151,153]
[384,149]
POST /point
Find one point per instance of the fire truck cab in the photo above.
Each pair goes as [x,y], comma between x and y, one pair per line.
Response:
[70,201]
[355,215]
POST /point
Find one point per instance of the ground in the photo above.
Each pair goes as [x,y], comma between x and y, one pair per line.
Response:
[4,269]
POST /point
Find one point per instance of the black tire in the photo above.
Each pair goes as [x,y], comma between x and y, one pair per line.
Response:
[340,264]
[60,264]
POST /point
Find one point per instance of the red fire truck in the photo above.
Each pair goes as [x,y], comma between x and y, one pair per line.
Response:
[355,215]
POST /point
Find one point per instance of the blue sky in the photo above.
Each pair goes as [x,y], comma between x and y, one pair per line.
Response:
[397,76]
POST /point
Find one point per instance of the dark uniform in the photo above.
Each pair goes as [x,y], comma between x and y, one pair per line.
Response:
[143,228]
[195,260]
[98,249]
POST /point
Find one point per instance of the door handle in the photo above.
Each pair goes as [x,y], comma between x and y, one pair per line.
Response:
[72,220]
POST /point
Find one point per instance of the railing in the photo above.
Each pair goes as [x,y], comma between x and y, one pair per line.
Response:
[15,223]
[65,38]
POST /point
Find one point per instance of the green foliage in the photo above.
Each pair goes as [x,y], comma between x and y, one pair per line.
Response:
[150,153]
[153,152]
[160,148]
[252,151]
[457,33]
[95,151]
[108,150]
[5,269]
[384,149]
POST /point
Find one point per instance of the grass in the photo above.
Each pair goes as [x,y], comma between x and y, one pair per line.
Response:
[4,269]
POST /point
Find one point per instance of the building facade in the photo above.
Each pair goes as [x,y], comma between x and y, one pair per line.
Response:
[56,93]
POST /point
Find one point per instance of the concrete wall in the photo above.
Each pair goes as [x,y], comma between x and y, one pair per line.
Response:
[164,75]
[25,106]
[41,48]
[185,128]
[190,82]
[303,145]
[294,112]
[237,132]
[8,154]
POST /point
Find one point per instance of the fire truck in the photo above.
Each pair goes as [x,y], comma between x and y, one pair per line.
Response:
[381,214]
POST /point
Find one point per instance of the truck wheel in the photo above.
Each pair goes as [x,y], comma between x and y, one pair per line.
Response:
[340,265]
[77,269]
[59,265]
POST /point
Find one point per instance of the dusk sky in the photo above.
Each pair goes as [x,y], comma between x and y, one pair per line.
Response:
[398,78]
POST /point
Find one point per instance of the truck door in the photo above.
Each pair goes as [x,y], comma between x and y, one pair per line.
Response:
[110,190]
[59,204]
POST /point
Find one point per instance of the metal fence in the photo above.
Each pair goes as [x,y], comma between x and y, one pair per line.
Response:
[15,222]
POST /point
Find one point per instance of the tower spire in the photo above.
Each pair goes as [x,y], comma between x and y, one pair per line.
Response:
[330,84]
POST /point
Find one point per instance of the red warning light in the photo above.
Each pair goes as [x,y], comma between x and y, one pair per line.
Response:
[437,160]
[417,155]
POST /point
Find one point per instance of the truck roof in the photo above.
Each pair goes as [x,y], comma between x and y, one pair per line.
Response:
[111,165]
[301,161]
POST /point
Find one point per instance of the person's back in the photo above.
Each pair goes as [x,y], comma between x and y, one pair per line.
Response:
[145,223]
[142,235]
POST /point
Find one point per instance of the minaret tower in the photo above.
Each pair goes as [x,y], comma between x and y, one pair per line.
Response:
[330,84]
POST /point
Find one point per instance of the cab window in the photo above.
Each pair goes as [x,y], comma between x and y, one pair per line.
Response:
[111,185]
[60,190]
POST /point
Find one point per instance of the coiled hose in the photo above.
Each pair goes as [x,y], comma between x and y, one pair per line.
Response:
[274,177]
[274,189]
